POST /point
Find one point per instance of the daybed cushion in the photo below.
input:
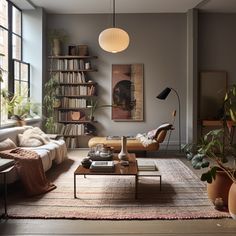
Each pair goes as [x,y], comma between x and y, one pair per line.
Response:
[152,134]
[132,144]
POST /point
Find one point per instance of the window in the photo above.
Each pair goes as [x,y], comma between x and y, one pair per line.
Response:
[15,77]
[21,78]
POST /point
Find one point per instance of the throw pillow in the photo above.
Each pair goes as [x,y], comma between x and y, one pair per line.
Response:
[142,138]
[154,133]
[7,144]
[33,142]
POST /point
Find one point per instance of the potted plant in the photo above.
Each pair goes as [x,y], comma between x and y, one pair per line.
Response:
[18,106]
[94,105]
[212,153]
[56,38]
[50,101]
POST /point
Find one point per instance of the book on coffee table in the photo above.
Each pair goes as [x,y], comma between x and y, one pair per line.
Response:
[147,165]
[103,166]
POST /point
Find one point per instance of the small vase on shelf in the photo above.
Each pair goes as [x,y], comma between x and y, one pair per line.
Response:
[123,155]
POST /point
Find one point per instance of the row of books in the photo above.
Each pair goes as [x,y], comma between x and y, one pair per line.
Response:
[71,77]
[72,129]
[73,102]
[79,90]
[69,64]
[72,142]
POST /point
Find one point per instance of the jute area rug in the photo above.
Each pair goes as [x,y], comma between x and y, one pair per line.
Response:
[183,195]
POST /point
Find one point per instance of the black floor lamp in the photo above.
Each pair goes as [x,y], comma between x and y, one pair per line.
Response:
[163,95]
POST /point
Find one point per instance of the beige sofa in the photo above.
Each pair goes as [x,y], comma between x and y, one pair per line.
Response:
[52,152]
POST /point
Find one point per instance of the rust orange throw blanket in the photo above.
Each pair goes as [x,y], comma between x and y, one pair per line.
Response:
[30,170]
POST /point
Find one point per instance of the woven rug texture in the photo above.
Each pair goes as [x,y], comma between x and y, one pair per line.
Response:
[183,196]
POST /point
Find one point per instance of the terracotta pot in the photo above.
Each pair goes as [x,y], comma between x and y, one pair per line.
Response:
[232,201]
[219,188]
[21,122]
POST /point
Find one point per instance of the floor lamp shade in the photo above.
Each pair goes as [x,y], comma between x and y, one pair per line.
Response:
[113,40]
[163,95]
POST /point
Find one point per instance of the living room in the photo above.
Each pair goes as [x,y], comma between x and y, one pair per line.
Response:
[175,44]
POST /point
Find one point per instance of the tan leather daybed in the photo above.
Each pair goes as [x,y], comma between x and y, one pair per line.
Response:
[132,144]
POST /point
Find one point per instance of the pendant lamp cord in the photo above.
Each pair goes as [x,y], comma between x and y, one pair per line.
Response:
[114,17]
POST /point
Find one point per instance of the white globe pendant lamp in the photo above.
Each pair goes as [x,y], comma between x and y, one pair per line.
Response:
[113,39]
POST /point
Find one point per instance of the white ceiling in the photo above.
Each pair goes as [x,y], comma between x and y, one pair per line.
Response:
[128,6]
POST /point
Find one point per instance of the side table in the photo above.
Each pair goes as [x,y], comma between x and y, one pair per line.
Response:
[4,173]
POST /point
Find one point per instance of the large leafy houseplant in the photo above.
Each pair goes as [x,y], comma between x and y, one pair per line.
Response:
[50,97]
[212,153]
[216,146]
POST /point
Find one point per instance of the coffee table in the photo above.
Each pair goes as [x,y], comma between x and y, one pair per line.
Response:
[131,170]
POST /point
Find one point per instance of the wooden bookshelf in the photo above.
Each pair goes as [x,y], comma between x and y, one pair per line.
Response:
[75,92]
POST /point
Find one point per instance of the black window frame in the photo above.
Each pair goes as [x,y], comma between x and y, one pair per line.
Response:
[11,60]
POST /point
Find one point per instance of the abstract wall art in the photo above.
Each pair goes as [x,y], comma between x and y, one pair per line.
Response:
[127,92]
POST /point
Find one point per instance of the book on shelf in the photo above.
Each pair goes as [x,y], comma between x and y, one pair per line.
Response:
[106,166]
[146,165]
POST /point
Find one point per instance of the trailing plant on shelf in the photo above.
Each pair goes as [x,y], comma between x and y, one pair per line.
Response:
[49,101]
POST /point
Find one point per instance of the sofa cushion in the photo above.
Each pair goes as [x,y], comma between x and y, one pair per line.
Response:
[7,144]
[12,133]
[33,137]
[57,150]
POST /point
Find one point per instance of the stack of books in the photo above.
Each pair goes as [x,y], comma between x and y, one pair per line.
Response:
[103,166]
[146,165]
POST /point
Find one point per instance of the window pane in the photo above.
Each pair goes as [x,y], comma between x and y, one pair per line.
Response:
[16,47]
[24,72]
[17,87]
[16,21]
[4,49]
[4,13]
[24,89]
[16,70]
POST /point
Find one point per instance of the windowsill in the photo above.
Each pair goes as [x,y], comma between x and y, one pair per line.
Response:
[29,121]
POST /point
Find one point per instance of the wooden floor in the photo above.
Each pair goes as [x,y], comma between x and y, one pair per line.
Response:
[81,227]
[36,227]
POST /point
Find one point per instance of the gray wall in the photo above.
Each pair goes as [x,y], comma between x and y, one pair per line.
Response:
[156,40]
[33,50]
[217,47]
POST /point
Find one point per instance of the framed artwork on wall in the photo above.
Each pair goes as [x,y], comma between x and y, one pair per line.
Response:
[127,92]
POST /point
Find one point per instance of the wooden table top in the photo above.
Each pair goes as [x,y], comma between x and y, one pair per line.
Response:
[132,169]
